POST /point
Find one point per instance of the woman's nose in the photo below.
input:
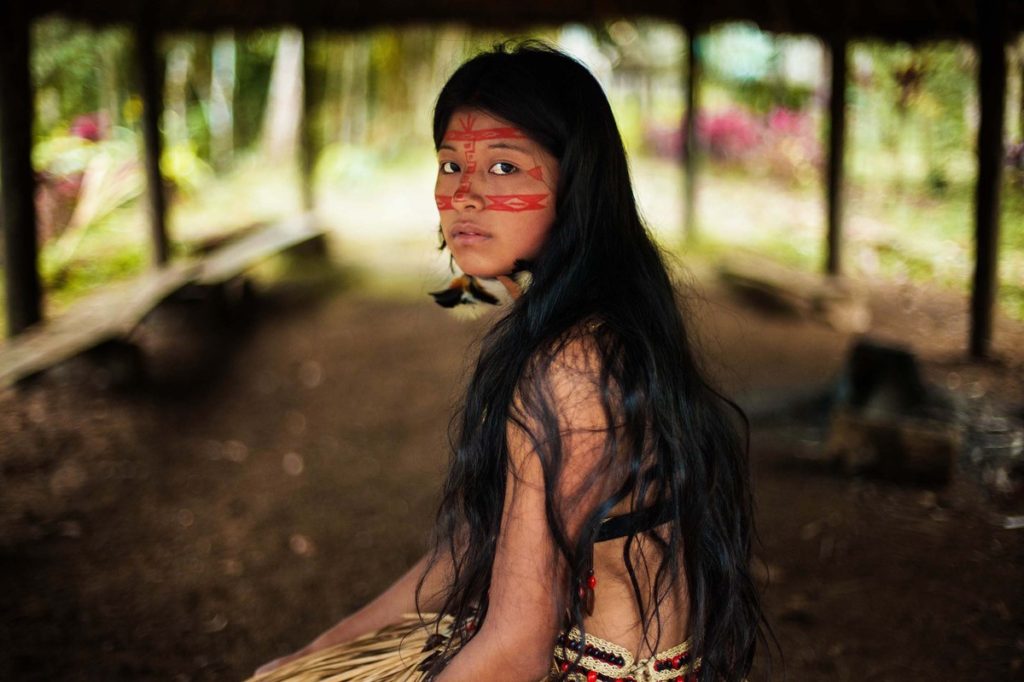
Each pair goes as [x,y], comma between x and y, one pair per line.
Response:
[466,195]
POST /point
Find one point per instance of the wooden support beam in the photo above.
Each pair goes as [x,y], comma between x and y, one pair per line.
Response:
[308,147]
[836,156]
[151,81]
[690,144]
[1020,92]
[17,181]
[991,47]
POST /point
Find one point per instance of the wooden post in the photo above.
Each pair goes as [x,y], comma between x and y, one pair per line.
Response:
[991,46]
[1020,76]
[307,124]
[152,86]
[690,145]
[1020,92]
[21,273]
[836,154]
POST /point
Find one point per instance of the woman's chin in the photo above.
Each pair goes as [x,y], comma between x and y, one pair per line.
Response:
[482,270]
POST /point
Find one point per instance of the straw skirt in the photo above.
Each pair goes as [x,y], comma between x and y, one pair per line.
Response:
[395,653]
[403,651]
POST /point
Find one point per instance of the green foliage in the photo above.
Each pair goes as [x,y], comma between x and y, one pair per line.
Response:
[184,168]
[763,96]
[255,59]
[78,70]
[114,249]
[910,106]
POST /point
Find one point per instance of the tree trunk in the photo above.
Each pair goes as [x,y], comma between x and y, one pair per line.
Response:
[222,100]
[334,90]
[179,63]
[110,101]
[284,99]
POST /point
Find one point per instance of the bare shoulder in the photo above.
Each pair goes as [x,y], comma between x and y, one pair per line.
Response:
[578,352]
[581,391]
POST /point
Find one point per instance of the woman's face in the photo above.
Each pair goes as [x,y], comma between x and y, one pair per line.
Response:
[495,192]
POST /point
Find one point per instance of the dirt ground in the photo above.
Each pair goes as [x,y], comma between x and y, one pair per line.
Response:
[275,471]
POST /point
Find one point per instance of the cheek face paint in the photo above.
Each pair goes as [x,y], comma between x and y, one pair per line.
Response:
[516,203]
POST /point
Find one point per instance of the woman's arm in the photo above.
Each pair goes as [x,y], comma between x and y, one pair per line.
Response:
[389,607]
[529,580]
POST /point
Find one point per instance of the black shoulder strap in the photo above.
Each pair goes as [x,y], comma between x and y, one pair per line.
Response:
[634,522]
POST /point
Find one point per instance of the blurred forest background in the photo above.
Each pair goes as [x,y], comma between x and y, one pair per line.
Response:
[233,101]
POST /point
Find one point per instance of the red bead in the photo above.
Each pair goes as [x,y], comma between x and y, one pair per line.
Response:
[564,667]
[677,661]
[591,676]
[592,582]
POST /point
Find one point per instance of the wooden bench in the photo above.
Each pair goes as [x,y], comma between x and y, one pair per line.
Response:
[837,301]
[114,312]
[234,258]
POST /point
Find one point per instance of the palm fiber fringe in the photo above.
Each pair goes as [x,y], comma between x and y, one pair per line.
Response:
[395,653]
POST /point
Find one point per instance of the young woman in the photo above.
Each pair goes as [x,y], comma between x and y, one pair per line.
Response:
[596,519]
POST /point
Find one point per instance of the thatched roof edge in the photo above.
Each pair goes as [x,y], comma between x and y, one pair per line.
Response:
[907,20]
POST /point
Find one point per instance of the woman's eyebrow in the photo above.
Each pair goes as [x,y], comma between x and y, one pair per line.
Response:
[445,145]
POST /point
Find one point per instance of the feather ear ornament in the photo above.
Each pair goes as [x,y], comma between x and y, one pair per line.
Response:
[467,297]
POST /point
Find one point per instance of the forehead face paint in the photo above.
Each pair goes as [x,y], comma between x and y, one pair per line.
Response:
[467,132]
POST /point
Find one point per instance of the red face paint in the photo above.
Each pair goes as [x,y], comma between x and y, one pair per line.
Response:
[494,193]
[514,203]
[469,135]
[469,149]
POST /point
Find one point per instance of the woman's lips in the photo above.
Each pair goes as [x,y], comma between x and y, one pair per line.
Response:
[468,233]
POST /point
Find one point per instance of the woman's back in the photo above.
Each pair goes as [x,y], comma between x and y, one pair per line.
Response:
[616,617]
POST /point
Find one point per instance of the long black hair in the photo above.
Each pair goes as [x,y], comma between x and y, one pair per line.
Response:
[684,453]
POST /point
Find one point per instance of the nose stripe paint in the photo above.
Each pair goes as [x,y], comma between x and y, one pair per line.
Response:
[510,203]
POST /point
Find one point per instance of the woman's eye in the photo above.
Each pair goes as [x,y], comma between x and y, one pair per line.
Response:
[503,168]
[449,167]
